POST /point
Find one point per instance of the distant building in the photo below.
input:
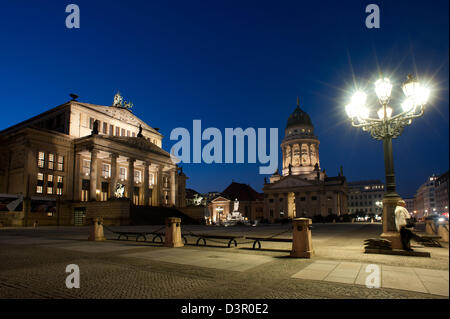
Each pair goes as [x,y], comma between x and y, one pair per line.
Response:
[424,200]
[410,205]
[366,197]
[250,205]
[303,189]
[441,193]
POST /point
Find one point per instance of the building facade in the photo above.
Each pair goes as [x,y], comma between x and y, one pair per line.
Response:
[79,154]
[250,204]
[366,197]
[303,189]
[424,200]
[441,194]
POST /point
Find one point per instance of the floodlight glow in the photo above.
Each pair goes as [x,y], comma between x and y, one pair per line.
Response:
[352,110]
[408,105]
[363,112]
[422,95]
[359,99]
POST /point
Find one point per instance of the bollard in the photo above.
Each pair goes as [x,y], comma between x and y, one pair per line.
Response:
[431,227]
[97,230]
[173,232]
[443,231]
[301,238]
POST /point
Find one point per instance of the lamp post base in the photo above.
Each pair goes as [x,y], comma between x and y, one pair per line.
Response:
[394,238]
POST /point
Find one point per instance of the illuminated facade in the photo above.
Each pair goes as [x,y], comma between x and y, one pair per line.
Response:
[424,200]
[366,197]
[303,189]
[77,155]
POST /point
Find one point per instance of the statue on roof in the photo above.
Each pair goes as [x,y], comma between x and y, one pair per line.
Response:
[140,131]
[118,100]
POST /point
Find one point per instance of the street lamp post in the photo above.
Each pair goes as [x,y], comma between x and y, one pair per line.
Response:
[385,128]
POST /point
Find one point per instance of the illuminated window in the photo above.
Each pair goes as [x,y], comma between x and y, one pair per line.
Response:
[123,132]
[117,131]
[128,133]
[152,179]
[49,184]
[86,167]
[41,159]
[106,170]
[123,173]
[137,176]
[60,163]
[51,161]
[59,185]
[40,183]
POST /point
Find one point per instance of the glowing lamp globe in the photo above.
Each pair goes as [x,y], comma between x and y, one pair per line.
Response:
[383,88]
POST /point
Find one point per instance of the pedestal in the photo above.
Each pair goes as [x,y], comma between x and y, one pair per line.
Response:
[173,232]
[97,230]
[389,229]
[301,238]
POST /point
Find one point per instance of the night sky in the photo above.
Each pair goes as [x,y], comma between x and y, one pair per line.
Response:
[237,64]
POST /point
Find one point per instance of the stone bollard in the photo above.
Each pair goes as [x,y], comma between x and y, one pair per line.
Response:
[431,227]
[97,230]
[301,238]
[443,231]
[173,232]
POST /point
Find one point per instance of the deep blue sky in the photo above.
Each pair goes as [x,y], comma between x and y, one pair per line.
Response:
[236,64]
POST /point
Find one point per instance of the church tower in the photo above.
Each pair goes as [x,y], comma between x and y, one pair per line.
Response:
[300,146]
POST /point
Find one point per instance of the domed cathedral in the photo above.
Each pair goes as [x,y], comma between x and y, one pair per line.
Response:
[303,189]
[300,146]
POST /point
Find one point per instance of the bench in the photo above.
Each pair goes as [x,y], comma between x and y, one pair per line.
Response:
[258,240]
[139,235]
[428,240]
[230,238]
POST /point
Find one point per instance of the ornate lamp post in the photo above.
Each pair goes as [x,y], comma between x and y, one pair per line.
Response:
[385,128]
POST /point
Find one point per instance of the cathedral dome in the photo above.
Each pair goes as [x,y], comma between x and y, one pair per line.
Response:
[298,117]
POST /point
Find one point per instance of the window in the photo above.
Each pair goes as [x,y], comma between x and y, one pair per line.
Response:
[128,133]
[104,191]
[271,200]
[137,176]
[85,185]
[152,179]
[314,198]
[133,134]
[59,185]
[117,131]
[40,183]
[86,167]
[271,212]
[51,161]
[49,184]
[111,129]
[302,199]
[105,128]
[91,123]
[123,173]
[106,170]
[41,159]
[122,132]
[136,195]
[60,163]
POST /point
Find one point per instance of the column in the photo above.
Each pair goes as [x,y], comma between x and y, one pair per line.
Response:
[292,154]
[146,183]
[77,178]
[309,153]
[130,178]
[93,175]
[173,187]
[113,179]
[159,186]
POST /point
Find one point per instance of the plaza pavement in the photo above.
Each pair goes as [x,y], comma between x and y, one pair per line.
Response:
[33,262]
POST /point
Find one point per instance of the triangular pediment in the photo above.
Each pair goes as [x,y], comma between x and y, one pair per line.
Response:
[290,181]
[220,199]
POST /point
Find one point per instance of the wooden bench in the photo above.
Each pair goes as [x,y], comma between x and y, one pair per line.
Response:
[230,238]
[258,240]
